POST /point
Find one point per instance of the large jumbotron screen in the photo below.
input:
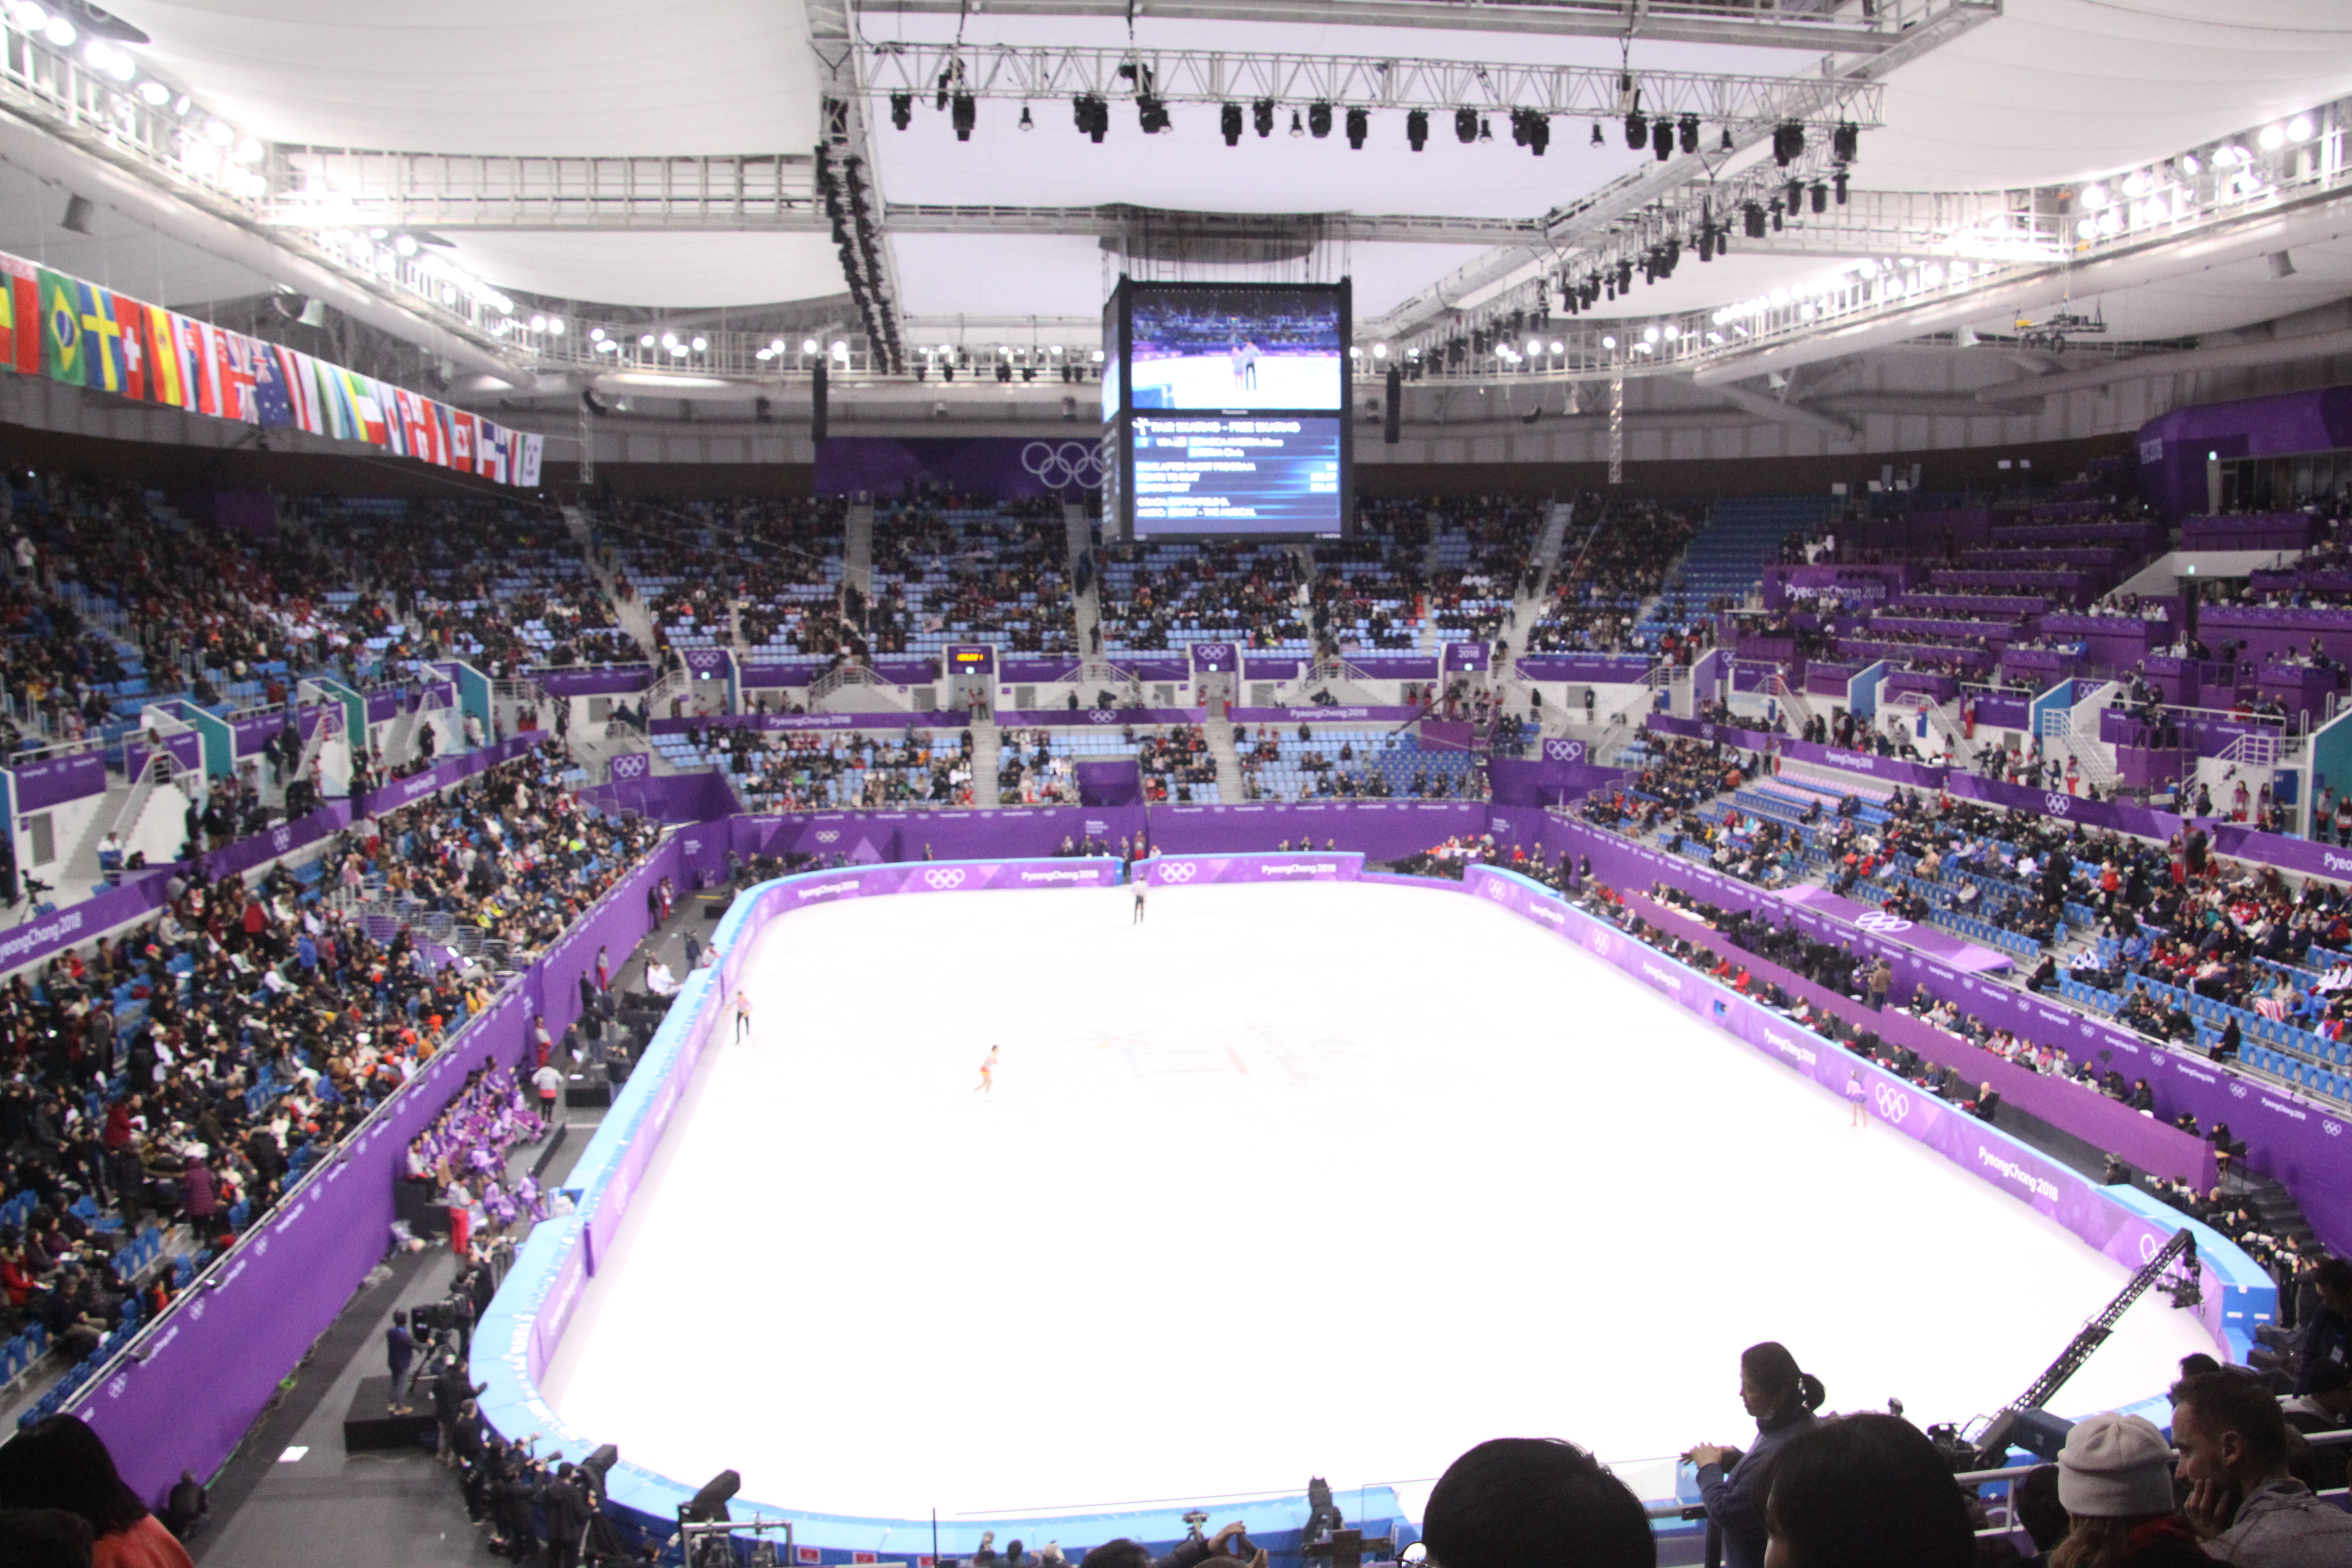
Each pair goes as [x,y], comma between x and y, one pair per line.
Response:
[1228,403]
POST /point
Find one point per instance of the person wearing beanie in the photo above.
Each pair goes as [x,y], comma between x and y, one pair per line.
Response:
[2115,1481]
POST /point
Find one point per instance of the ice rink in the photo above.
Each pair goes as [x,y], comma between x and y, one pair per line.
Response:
[1335,1180]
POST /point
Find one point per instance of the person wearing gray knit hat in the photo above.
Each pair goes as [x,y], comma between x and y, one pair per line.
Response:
[2115,1480]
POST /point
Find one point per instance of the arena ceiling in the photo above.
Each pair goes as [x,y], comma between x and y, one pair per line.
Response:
[2006,96]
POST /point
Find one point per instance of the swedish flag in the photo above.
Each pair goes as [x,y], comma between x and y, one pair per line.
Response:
[62,345]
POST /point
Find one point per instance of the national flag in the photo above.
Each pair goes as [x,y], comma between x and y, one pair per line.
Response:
[20,316]
[62,354]
[131,316]
[199,366]
[300,391]
[167,375]
[866,1557]
[490,451]
[806,1554]
[102,337]
[445,433]
[529,453]
[272,408]
[367,414]
[238,354]
[395,428]
[461,439]
[335,401]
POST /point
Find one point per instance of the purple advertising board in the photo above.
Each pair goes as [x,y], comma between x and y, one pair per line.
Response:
[1378,830]
[53,780]
[1095,718]
[605,681]
[1583,669]
[1333,714]
[1965,956]
[999,468]
[1200,870]
[895,722]
[870,837]
[2108,816]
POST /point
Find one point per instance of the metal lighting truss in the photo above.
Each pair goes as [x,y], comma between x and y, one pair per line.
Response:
[1804,99]
[168,141]
[1844,26]
[330,187]
[1347,81]
[1960,246]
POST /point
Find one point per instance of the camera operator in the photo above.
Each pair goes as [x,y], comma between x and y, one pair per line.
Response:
[565,1504]
[451,1393]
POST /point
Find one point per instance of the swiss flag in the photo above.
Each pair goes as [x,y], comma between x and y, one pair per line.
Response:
[865,1557]
[805,1554]
[461,439]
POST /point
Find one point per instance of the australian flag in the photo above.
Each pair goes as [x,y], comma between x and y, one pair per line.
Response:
[270,401]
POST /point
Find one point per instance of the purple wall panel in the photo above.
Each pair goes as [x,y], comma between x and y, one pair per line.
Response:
[58,779]
[1378,830]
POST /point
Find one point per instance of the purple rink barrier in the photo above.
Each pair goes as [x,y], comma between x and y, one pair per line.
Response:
[2074,1108]
[1200,870]
[1378,830]
[141,894]
[2238,1293]
[606,681]
[870,837]
[193,1381]
[1095,718]
[1310,713]
[702,795]
[2300,1142]
[524,1325]
[2236,841]
[1583,669]
[1965,956]
[938,718]
[56,779]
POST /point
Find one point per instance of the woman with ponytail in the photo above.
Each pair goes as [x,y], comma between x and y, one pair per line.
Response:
[1782,1399]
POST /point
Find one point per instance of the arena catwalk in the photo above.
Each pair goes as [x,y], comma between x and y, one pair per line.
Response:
[1334,1179]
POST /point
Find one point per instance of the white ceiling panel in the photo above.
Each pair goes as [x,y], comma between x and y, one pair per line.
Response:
[116,252]
[688,272]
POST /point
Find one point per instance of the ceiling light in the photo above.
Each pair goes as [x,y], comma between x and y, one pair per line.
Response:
[763,355]
[963,114]
[1534,345]
[1318,120]
[1608,343]
[595,335]
[2095,197]
[1262,117]
[155,94]
[645,341]
[1026,123]
[1686,129]
[538,324]
[26,14]
[1598,139]
[60,32]
[1359,125]
[2135,184]
[1417,128]
[902,110]
[404,243]
[2189,166]
[677,350]
[1650,335]
[1229,124]
[1298,126]
[1560,348]
[700,344]
[1380,351]
[808,346]
[219,134]
[2300,128]
[1465,125]
[2274,138]
[556,326]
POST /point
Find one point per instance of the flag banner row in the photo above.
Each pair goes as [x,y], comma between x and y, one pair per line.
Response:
[84,334]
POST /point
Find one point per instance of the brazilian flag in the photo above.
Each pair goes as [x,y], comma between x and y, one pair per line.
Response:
[62,345]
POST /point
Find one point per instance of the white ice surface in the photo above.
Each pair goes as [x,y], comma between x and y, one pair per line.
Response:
[1328,1180]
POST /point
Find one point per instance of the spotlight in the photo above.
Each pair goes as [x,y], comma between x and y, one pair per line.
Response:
[1262,117]
[1820,197]
[1531,129]
[1706,242]
[1637,131]
[1318,120]
[1751,220]
[1417,128]
[1686,129]
[1662,139]
[1846,142]
[1359,125]
[1795,199]
[1598,139]
[77,213]
[963,114]
[1152,114]
[1298,126]
[1092,115]
[1788,143]
[902,109]
[1485,129]
[1465,125]
[1026,123]
[1776,217]
[1229,121]
[1837,183]
[1727,145]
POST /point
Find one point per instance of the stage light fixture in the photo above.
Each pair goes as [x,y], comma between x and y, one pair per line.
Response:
[1686,131]
[1637,130]
[1026,123]
[1820,197]
[1229,121]
[1662,139]
[1837,183]
[1092,115]
[1485,129]
[1262,117]
[902,109]
[1598,139]
[1751,219]
[1465,125]
[1778,217]
[1298,126]
[1318,118]
[1359,125]
[1795,198]
[1846,142]
[1417,128]
[963,114]
[1788,143]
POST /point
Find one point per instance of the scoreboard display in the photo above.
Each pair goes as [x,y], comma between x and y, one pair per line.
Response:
[1228,404]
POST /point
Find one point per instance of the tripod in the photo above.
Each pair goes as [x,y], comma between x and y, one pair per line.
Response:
[34,889]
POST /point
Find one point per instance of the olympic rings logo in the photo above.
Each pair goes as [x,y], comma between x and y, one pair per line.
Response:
[2148,1247]
[2333,1129]
[1893,1103]
[1564,750]
[1879,920]
[1100,716]
[2057,805]
[1076,463]
[944,879]
[629,765]
[1498,891]
[1178,872]
[829,836]
[282,840]
[2237,1090]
